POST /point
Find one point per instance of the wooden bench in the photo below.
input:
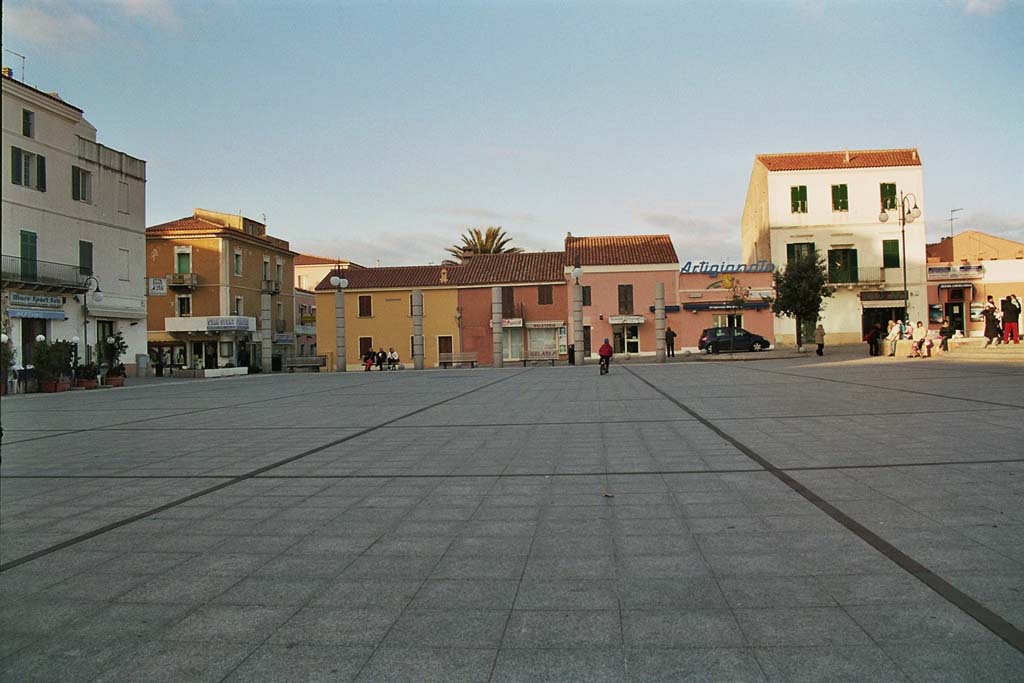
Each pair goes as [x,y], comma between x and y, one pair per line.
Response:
[460,358]
[311,363]
[540,357]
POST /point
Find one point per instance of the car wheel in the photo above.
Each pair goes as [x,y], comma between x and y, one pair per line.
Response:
[757,346]
[713,348]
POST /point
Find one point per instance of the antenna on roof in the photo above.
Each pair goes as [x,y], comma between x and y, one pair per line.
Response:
[953,218]
[22,58]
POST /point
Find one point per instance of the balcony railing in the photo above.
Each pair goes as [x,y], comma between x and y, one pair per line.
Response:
[271,287]
[37,274]
[182,279]
[855,276]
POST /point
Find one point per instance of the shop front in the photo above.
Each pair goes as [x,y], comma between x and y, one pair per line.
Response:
[546,339]
[879,307]
[626,332]
[204,342]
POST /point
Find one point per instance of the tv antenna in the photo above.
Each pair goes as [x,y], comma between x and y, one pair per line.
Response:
[22,58]
[953,218]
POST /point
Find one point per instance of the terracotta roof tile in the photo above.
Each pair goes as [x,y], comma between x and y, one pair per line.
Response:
[503,269]
[191,226]
[620,250]
[859,158]
[308,260]
[390,277]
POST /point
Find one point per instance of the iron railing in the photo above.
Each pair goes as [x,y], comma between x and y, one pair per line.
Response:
[44,273]
[852,276]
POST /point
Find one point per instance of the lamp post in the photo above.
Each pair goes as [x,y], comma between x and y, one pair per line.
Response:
[577,312]
[339,283]
[907,215]
[97,297]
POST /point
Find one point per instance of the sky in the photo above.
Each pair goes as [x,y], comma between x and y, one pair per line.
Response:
[381,131]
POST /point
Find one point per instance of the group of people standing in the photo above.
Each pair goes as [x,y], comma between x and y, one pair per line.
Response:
[380,359]
[1002,322]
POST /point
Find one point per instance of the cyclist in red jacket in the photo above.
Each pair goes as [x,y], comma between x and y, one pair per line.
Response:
[605,354]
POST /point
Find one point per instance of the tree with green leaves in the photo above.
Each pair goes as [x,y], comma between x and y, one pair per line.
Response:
[492,240]
[800,289]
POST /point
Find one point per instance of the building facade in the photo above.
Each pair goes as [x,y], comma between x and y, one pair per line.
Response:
[830,203]
[964,270]
[74,216]
[305,322]
[310,270]
[220,293]
[730,300]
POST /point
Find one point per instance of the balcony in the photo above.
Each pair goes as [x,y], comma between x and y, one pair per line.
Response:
[189,280]
[279,326]
[951,272]
[270,287]
[856,276]
[308,319]
[43,275]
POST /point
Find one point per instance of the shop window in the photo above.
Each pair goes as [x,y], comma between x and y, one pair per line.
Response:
[625,299]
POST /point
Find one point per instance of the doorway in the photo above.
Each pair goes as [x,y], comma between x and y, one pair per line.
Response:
[882,316]
[30,329]
[626,338]
[957,319]
[444,345]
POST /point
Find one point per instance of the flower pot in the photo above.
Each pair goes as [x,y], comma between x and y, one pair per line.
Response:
[86,383]
[54,386]
[117,381]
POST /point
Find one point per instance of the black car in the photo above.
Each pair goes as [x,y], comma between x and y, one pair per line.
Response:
[718,339]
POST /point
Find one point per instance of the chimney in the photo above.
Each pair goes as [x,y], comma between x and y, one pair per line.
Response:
[467,254]
[847,154]
[913,154]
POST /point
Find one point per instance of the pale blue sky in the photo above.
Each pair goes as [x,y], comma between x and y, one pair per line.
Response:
[382,130]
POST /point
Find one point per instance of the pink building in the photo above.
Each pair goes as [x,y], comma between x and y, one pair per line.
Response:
[712,302]
[619,277]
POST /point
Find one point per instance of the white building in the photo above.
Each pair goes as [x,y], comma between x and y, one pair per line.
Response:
[830,202]
[74,217]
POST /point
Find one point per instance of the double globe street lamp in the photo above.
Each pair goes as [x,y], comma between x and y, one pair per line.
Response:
[339,283]
[908,214]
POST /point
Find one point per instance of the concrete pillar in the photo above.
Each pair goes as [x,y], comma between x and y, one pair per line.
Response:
[577,321]
[340,359]
[659,322]
[266,335]
[417,329]
[497,332]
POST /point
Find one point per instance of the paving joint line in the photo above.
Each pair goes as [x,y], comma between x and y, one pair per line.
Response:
[234,480]
[974,609]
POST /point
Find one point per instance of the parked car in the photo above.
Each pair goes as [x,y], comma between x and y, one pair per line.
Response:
[718,339]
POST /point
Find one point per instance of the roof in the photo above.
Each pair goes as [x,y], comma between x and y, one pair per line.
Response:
[308,260]
[53,96]
[619,250]
[192,226]
[859,158]
[389,277]
[503,269]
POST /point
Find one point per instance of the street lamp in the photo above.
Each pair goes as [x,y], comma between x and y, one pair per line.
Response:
[339,282]
[97,297]
[907,215]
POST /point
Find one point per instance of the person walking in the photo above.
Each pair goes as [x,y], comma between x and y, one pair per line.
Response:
[819,339]
[670,342]
[873,337]
[1011,319]
[991,326]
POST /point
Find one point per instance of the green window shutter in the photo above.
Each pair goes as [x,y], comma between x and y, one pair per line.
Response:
[790,253]
[794,199]
[40,173]
[76,183]
[28,245]
[851,265]
[16,166]
[890,253]
[85,257]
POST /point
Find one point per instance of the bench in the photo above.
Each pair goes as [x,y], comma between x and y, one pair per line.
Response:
[460,358]
[540,357]
[311,363]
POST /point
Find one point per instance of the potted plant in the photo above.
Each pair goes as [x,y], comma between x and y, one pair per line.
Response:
[7,355]
[52,361]
[87,376]
[116,373]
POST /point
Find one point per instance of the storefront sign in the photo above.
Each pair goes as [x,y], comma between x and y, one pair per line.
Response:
[626,319]
[726,306]
[157,286]
[882,296]
[284,339]
[955,285]
[545,324]
[961,271]
[510,322]
[233,323]
[563,339]
[713,270]
[36,300]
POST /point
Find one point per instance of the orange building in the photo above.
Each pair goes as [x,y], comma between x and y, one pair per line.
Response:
[208,274]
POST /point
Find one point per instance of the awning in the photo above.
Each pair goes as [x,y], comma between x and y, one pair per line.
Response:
[669,308]
[894,303]
[124,313]
[955,285]
[36,313]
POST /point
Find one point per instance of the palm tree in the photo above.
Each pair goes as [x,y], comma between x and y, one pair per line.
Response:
[477,241]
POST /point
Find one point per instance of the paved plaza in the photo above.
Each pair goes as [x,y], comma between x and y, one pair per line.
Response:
[800,519]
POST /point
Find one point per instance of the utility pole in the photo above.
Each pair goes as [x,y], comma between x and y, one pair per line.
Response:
[953,218]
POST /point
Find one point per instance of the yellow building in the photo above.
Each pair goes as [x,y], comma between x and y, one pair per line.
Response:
[378,313]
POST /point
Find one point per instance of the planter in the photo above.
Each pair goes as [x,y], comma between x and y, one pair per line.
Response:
[87,383]
[117,381]
[54,386]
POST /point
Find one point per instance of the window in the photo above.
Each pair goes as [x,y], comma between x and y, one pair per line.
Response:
[444,345]
[122,197]
[625,299]
[29,267]
[798,198]
[799,250]
[302,282]
[266,267]
[727,320]
[278,271]
[544,297]
[888,192]
[239,306]
[365,344]
[183,262]
[85,257]
[302,349]
[365,306]
[508,302]
[842,265]
[28,169]
[586,295]
[81,185]
[123,265]
[184,305]
[28,123]
[890,253]
[238,262]
[840,201]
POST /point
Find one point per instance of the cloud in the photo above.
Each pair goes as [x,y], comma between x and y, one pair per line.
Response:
[50,24]
[983,7]
[157,12]
[699,238]
[485,215]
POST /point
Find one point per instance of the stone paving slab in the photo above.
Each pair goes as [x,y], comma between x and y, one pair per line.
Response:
[549,524]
